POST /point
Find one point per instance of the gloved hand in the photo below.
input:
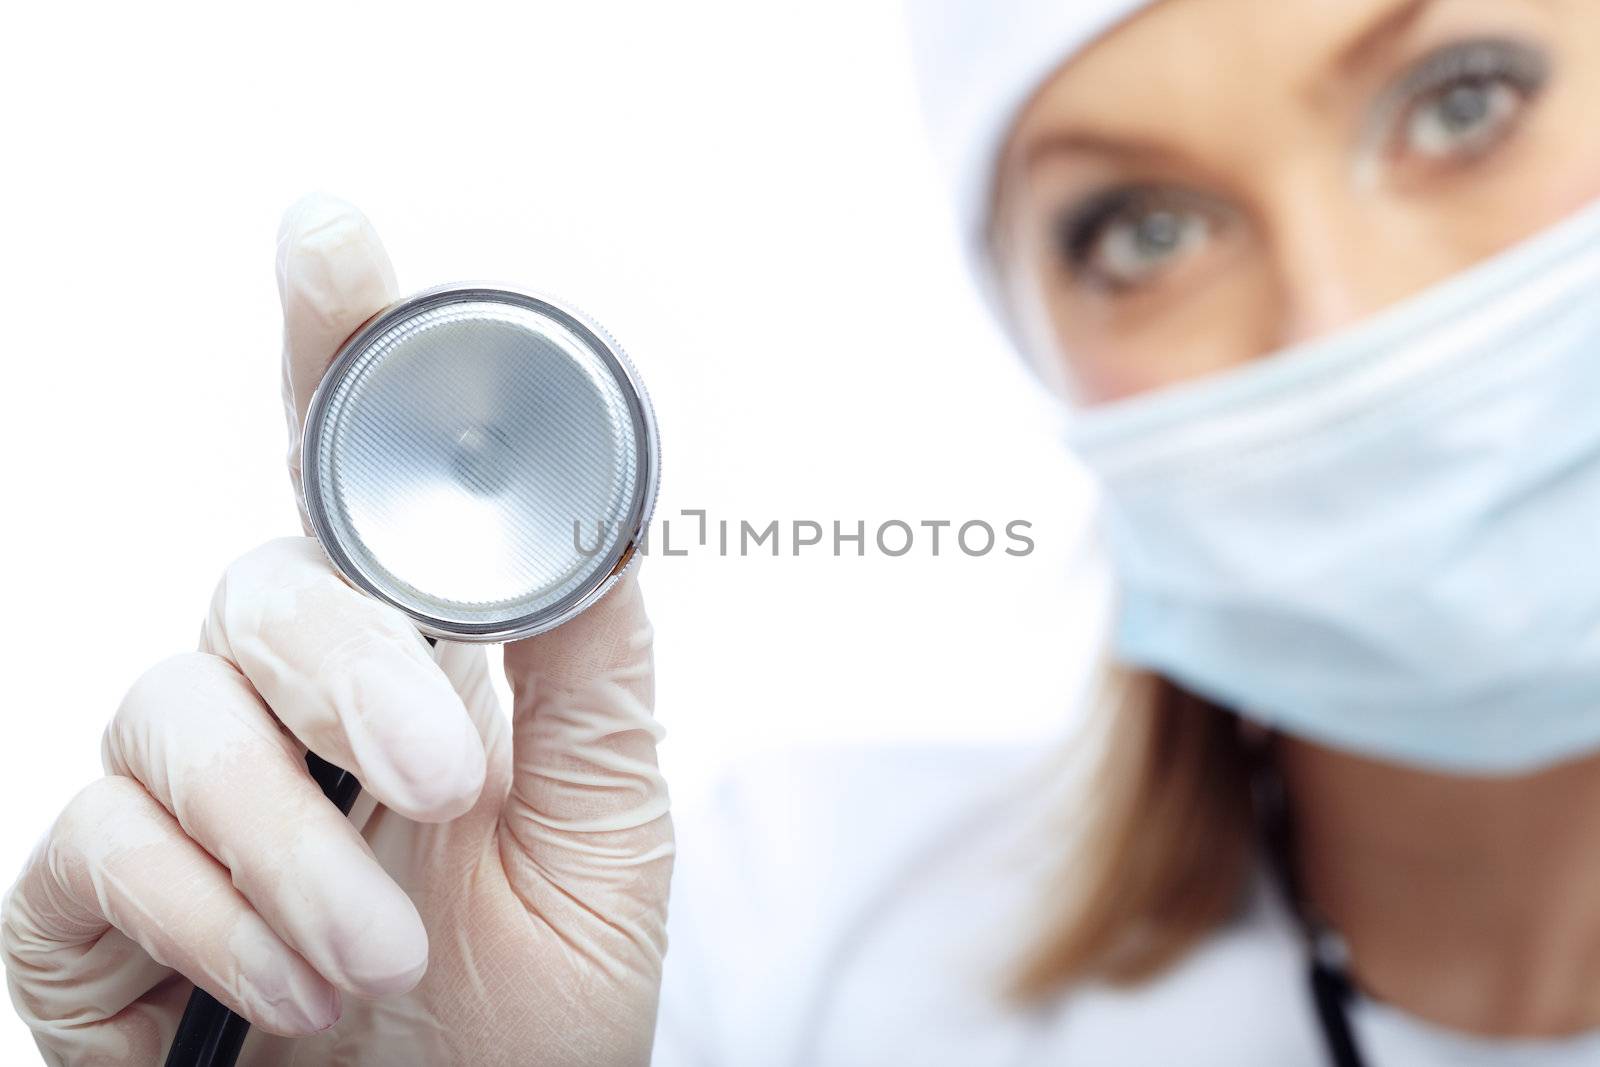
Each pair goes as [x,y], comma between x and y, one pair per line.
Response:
[499,893]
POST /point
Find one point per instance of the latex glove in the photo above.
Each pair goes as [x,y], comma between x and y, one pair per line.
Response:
[504,904]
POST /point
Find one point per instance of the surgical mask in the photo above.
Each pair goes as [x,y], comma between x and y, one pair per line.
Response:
[1388,540]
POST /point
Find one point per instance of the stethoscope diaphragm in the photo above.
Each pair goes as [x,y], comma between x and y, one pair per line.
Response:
[483,459]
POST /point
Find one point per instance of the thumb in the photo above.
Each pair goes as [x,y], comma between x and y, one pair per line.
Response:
[588,806]
[333,275]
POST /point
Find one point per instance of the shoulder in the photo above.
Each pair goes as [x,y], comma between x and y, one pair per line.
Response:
[820,830]
[861,906]
[776,866]
[867,804]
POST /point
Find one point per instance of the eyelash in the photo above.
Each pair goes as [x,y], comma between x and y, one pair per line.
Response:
[1481,64]
[1084,227]
[1522,65]
[1485,62]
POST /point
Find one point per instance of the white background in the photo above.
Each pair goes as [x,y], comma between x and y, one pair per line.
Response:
[738,190]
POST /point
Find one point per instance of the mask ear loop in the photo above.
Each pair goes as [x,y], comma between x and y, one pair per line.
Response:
[1327,953]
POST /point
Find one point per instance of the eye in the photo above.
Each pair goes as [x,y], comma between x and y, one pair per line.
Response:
[1126,238]
[1464,100]
[1463,121]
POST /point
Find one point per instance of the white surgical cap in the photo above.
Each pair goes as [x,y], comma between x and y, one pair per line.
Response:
[978,62]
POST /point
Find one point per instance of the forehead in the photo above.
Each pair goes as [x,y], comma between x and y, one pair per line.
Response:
[1176,61]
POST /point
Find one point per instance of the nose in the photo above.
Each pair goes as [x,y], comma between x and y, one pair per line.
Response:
[1339,255]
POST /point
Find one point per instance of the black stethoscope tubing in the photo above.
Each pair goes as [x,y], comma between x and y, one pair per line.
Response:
[1328,978]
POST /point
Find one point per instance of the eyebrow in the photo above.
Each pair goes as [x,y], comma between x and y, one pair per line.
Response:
[1088,142]
[1380,35]
[1361,51]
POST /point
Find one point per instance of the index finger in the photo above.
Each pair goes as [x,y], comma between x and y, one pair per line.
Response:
[348,676]
[333,275]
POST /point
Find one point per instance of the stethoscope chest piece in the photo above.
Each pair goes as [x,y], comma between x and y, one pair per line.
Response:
[481,458]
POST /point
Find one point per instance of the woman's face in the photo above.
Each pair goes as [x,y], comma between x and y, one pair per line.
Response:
[1218,179]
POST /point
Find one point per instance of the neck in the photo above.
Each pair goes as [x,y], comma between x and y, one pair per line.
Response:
[1473,903]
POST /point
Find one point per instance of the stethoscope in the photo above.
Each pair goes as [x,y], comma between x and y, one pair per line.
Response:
[1331,988]
[1332,992]
[483,459]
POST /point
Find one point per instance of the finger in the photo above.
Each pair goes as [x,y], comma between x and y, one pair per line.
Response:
[198,738]
[350,677]
[116,858]
[588,805]
[333,274]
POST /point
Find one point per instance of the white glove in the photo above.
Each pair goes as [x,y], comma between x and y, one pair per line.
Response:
[499,893]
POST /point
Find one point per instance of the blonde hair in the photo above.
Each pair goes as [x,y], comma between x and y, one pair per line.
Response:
[1161,839]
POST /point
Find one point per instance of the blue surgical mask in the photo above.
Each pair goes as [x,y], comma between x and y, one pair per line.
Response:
[1388,540]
